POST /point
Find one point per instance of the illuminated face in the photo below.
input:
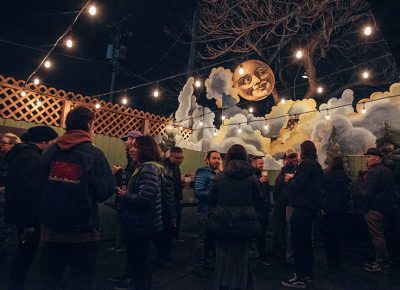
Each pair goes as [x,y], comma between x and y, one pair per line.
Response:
[214,161]
[256,82]
[133,151]
[258,164]
[5,144]
[373,159]
[176,158]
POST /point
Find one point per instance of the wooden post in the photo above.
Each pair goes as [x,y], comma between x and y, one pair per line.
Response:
[146,128]
[66,107]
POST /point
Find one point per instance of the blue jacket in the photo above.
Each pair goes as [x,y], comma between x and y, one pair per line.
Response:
[140,209]
[202,185]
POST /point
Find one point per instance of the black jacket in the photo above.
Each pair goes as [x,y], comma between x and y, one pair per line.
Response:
[306,186]
[75,179]
[23,185]
[171,192]
[379,189]
[140,209]
[234,194]
[281,188]
[337,193]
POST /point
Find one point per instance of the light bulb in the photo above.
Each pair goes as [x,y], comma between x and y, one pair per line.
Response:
[92,10]
[241,70]
[365,75]
[47,64]
[283,101]
[156,93]
[223,117]
[215,132]
[239,130]
[38,103]
[320,90]
[197,84]
[36,81]
[305,76]
[23,94]
[201,124]
[299,54]
[124,101]
[266,127]
[69,43]
[327,115]
[363,109]
[97,106]
[251,110]
[367,30]
[181,127]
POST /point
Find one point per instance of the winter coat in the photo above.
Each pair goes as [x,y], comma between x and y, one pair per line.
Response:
[281,188]
[140,208]
[23,185]
[337,193]
[202,184]
[76,176]
[171,192]
[236,198]
[379,189]
[306,186]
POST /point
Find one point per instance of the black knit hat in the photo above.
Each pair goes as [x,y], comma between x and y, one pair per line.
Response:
[38,134]
[374,151]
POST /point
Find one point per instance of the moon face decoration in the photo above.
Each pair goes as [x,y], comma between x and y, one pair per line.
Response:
[256,81]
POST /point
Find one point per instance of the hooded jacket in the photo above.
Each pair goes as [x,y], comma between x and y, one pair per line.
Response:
[76,176]
[23,185]
[235,193]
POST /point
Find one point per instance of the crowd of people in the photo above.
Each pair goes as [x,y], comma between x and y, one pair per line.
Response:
[51,186]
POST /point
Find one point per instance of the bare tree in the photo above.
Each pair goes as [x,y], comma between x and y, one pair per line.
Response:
[328,32]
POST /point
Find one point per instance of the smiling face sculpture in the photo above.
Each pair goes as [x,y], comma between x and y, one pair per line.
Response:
[256,82]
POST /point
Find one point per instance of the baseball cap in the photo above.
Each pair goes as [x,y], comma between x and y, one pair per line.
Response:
[132,134]
[290,152]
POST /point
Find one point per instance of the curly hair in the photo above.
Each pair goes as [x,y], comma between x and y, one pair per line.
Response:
[147,149]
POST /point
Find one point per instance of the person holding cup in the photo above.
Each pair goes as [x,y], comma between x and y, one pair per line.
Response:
[262,176]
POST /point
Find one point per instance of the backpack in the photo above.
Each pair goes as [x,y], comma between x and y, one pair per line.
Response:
[66,204]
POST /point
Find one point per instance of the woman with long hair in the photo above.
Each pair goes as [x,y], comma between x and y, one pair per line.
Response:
[235,196]
[306,197]
[337,195]
[140,209]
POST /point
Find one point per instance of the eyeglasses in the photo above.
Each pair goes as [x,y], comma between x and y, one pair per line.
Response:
[3,142]
[178,158]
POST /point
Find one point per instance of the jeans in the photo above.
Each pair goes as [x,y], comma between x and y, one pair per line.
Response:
[23,258]
[204,244]
[81,259]
[301,226]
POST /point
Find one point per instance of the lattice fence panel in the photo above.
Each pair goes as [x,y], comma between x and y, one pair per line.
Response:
[113,120]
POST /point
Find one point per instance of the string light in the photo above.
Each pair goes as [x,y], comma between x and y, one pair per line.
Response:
[251,110]
[38,103]
[283,101]
[367,30]
[320,90]
[197,83]
[69,43]
[215,132]
[305,76]
[365,75]
[97,106]
[201,124]
[363,109]
[223,117]
[124,101]
[23,94]
[327,114]
[239,130]
[156,93]
[47,64]
[299,54]
[36,81]
[181,127]
[92,10]
[266,126]
[241,70]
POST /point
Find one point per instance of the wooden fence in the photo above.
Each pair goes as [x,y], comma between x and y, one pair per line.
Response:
[43,105]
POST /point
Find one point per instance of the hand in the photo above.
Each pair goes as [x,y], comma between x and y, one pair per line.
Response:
[116,168]
[288,176]
[27,235]
[263,179]
[119,191]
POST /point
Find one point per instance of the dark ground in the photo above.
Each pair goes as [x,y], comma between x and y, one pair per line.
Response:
[352,276]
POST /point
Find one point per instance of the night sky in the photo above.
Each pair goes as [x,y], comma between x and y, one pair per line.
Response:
[157,35]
